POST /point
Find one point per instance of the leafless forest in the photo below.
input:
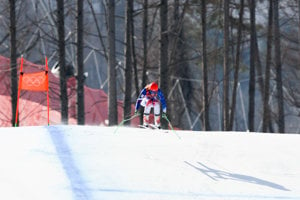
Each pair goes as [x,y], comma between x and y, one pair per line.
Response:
[222,65]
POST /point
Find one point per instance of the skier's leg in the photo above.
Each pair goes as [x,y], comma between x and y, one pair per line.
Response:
[146,120]
[147,110]
[156,106]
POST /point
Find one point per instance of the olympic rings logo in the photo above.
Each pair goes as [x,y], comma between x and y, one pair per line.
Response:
[34,81]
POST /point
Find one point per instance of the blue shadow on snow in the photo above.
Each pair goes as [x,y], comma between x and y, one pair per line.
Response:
[216,174]
[79,188]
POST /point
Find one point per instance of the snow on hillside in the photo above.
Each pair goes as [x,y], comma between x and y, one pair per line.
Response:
[106,163]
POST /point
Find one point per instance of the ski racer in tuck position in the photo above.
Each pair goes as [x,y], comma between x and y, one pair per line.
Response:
[151,97]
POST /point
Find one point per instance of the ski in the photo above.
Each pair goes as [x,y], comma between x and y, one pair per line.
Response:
[154,126]
[150,126]
[144,127]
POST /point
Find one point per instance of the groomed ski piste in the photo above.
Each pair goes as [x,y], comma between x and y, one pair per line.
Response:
[69,162]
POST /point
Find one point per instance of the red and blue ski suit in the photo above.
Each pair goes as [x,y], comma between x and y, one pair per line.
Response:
[151,99]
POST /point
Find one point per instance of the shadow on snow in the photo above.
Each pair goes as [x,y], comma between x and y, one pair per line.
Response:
[216,175]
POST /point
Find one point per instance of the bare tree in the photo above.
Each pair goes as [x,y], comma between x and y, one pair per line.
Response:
[179,56]
[128,60]
[206,126]
[299,29]
[164,43]
[251,110]
[266,113]
[112,90]
[13,59]
[226,67]
[134,55]
[237,64]
[279,85]
[145,48]
[177,66]
[62,66]
[80,64]
[145,40]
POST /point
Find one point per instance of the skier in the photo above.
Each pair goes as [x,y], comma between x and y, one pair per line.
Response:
[151,97]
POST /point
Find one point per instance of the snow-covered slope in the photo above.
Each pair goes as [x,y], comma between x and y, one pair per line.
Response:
[106,163]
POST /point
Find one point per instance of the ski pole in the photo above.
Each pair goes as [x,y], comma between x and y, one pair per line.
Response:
[169,123]
[125,120]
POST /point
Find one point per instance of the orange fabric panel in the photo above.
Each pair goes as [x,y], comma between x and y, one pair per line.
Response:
[34,81]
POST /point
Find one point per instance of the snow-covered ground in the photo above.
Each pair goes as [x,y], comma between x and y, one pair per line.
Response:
[106,163]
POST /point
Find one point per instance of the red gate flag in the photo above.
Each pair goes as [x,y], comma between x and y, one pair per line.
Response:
[34,81]
[38,82]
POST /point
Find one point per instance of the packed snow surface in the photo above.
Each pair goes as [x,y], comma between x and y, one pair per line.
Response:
[110,163]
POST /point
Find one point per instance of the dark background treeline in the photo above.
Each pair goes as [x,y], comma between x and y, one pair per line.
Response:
[222,65]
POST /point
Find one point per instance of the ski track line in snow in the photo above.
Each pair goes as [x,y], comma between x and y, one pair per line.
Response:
[79,188]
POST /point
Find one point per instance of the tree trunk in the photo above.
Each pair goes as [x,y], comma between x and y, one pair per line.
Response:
[178,67]
[226,67]
[145,40]
[145,49]
[112,89]
[260,77]
[266,113]
[80,65]
[279,86]
[237,64]
[299,31]
[206,126]
[164,42]
[251,110]
[13,60]
[133,55]
[176,48]
[128,60]
[62,70]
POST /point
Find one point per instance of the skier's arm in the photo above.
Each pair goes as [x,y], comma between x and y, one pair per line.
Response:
[139,99]
[162,101]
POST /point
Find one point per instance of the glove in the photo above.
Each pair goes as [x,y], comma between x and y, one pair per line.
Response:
[164,115]
[136,112]
[164,110]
